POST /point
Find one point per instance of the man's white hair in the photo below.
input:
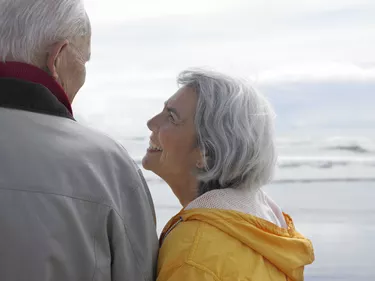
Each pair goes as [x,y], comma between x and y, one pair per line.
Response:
[234,125]
[29,27]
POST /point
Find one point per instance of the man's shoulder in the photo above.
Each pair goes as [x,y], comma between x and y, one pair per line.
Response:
[103,151]
[94,137]
[58,151]
[31,123]
[95,142]
[82,139]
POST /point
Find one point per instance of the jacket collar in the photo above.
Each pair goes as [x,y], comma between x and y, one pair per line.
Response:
[24,86]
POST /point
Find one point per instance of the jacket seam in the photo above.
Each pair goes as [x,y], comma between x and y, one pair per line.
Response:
[190,260]
[95,256]
[139,267]
[61,195]
[90,201]
[96,261]
[197,236]
[203,268]
[164,236]
[259,222]
[66,196]
[74,198]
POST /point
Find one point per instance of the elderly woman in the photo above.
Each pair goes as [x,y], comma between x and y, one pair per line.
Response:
[213,144]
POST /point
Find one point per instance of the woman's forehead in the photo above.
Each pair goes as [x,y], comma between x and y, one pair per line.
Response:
[183,95]
[184,101]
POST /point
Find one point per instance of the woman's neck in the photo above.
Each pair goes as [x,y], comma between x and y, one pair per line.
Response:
[185,189]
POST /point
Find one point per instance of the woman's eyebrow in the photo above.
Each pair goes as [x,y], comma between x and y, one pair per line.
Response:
[172,109]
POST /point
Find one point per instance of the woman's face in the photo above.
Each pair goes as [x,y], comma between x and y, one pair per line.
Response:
[173,153]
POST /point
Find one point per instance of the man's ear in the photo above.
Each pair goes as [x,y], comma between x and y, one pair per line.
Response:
[53,58]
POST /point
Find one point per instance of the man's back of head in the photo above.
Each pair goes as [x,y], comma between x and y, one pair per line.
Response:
[53,35]
[73,205]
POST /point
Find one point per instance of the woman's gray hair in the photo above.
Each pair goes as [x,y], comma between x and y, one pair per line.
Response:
[29,27]
[235,131]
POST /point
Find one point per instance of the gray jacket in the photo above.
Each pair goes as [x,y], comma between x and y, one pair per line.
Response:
[73,205]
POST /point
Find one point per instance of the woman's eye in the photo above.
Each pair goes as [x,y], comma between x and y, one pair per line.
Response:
[171,118]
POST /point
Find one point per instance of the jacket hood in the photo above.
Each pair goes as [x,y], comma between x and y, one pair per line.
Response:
[288,250]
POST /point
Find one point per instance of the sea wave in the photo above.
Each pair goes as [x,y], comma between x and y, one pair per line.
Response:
[297,180]
[323,162]
[328,147]
[315,162]
[352,148]
[317,180]
[354,145]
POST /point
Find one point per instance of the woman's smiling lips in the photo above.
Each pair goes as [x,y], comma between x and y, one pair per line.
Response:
[153,147]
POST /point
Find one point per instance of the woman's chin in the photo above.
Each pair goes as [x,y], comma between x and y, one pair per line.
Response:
[150,161]
[145,163]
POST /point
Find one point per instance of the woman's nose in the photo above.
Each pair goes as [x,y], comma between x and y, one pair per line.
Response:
[151,124]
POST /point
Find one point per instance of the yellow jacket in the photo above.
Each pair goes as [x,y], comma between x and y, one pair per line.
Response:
[221,245]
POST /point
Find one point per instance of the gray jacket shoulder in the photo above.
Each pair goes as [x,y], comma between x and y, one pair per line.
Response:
[74,205]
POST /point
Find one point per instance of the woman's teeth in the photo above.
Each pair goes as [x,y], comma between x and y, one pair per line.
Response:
[154,147]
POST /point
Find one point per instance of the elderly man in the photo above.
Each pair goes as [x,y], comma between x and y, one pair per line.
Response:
[73,205]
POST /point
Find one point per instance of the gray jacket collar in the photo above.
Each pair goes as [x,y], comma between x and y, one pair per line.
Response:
[23,95]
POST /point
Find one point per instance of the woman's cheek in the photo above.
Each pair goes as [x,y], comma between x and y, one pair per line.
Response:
[166,135]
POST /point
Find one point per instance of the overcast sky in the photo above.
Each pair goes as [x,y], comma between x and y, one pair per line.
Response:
[316,59]
[273,39]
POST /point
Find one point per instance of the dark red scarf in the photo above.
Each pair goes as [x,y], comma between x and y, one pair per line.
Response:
[30,73]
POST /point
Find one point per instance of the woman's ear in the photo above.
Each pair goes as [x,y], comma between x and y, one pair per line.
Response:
[200,164]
